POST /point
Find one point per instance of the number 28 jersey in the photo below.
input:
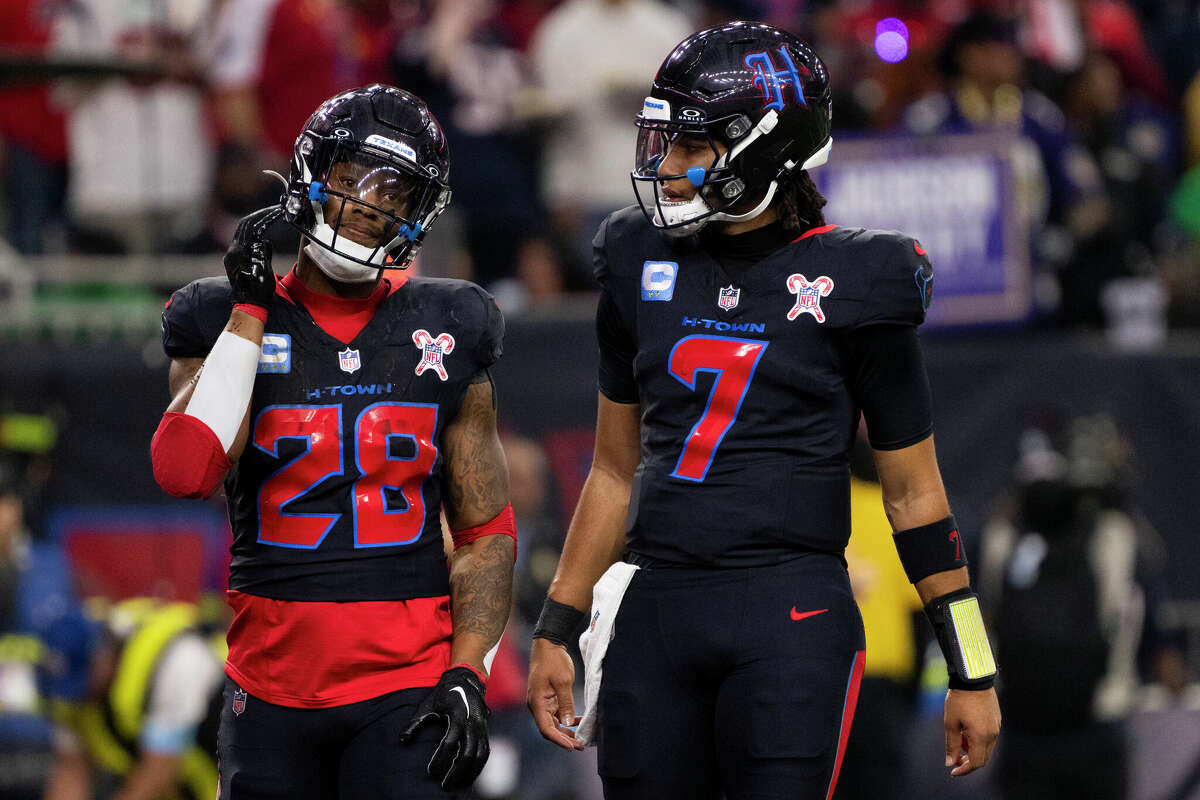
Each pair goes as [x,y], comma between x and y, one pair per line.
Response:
[747,398]
[337,494]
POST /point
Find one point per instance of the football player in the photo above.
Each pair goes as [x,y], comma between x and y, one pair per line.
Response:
[741,336]
[345,406]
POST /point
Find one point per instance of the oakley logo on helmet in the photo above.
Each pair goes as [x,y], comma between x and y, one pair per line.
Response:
[772,81]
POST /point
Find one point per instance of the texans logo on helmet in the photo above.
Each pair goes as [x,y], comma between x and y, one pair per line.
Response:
[924,278]
[772,80]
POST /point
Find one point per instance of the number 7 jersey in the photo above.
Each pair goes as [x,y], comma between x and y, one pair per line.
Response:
[337,494]
[747,408]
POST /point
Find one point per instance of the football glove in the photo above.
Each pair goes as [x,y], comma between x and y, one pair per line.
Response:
[458,699]
[248,259]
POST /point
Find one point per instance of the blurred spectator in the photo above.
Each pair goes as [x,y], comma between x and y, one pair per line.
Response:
[269,63]
[539,531]
[1134,145]
[1181,266]
[875,762]
[34,587]
[1113,27]
[540,279]
[1071,589]
[139,158]
[1191,121]
[590,60]
[546,772]
[868,91]
[987,90]
[33,145]
[463,62]
[137,696]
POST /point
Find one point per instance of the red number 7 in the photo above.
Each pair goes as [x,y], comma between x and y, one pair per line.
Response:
[734,362]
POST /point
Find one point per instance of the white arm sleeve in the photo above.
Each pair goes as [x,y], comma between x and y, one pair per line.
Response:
[222,394]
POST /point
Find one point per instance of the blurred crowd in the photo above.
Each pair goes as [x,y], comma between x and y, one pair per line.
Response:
[145,126]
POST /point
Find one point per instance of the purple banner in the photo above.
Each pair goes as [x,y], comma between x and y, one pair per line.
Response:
[956,195]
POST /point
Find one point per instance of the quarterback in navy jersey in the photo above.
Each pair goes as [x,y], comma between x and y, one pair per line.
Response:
[346,406]
[741,337]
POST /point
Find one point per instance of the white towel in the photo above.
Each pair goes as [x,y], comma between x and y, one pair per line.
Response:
[593,643]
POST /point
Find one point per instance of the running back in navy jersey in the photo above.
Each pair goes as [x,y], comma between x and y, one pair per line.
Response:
[342,471]
[747,419]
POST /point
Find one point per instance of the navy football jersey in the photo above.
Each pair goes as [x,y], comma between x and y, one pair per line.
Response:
[337,494]
[747,413]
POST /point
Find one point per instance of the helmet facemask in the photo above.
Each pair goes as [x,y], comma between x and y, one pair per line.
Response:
[709,176]
[363,206]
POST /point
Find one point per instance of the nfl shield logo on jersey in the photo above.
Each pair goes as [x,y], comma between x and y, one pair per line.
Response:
[239,701]
[433,349]
[727,298]
[808,295]
[348,360]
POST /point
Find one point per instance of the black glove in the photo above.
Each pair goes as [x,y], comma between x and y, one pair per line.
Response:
[458,699]
[248,259]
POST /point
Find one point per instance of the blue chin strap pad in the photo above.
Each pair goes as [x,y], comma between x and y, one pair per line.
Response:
[316,192]
[696,175]
[410,233]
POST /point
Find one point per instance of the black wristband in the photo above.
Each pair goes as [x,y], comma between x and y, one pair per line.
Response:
[960,634]
[931,548]
[558,622]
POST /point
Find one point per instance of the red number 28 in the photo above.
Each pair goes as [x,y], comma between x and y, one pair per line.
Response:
[379,518]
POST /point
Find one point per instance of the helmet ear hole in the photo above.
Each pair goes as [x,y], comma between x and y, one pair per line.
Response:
[737,128]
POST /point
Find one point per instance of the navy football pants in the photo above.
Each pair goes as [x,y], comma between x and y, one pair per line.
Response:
[741,681]
[350,752]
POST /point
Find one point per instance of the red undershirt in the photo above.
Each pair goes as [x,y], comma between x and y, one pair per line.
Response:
[343,318]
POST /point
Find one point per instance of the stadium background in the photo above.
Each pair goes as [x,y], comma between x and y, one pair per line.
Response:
[1066,238]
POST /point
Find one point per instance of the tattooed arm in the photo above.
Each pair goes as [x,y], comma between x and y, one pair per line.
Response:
[476,490]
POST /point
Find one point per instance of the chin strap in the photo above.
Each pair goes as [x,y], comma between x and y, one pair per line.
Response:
[339,268]
[722,216]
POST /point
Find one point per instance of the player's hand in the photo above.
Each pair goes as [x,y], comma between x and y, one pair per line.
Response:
[551,678]
[972,724]
[248,259]
[458,700]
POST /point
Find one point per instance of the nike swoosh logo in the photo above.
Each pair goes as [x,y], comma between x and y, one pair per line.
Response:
[799,615]
[462,693]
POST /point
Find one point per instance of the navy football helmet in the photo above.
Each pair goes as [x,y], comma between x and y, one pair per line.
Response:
[760,92]
[368,179]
